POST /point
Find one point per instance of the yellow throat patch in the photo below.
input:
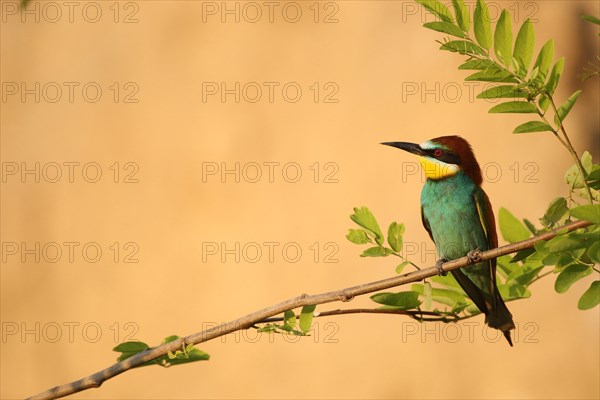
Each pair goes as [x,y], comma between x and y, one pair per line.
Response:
[435,169]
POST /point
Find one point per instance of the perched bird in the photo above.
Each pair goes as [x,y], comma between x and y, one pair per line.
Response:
[459,219]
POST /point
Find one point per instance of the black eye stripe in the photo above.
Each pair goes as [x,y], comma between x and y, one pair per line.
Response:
[447,157]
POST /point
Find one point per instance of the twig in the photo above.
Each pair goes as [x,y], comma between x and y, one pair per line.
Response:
[95,380]
[540,276]
[439,316]
[410,313]
[571,150]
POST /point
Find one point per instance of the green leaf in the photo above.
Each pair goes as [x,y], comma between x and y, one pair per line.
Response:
[285,328]
[544,59]
[482,25]
[268,328]
[565,243]
[594,174]
[358,236]
[588,212]
[533,126]
[462,15]
[564,109]
[594,252]
[448,281]
[591,297]
[460,307]
[427,295]
[192,356]
[544,102]
[526,277]
[462,47]
[492,75]
[437,8]
[578,254]
[363,217]
[530,226]
[505,266]
[401,266]
[289,318]
[520,271]
[551,259]
[573,176]
[513,291]
[564,260]
[518,107]
[131,347]
[170,339]
[503,38]
[376,251]
[511,228]
[478,65]
[591,18]
[522,255]
[448,297]
[556,210]
[306,317]
[445,27]
[402,300]
[555,74]
[540,247]
[502,92]
[534,73]
[524,46]
[570,275]
[395,232]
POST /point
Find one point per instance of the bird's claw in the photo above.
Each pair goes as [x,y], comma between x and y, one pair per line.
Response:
[474,256]
[438,266]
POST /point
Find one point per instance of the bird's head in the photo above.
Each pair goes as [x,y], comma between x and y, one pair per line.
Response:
[443,157]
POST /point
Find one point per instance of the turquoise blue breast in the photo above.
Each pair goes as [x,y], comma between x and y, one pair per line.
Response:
[450,208]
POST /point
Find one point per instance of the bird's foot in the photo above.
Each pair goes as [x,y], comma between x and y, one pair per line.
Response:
[438,266]
[474,256]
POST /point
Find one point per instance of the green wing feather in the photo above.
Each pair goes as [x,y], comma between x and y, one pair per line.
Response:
[426,224]
[486,218]
[465,283]
[499,316]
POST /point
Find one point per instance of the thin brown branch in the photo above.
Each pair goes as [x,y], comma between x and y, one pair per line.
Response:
[347,294]
[434,316]
[418,315]
[540,276]
[574,154]
[330,313]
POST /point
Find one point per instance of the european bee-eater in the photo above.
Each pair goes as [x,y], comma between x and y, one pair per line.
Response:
[459,219]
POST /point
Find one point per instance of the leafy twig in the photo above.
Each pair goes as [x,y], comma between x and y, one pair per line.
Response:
[347,294]
[511,66]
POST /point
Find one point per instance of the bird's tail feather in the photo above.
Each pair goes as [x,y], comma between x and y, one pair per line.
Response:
[500,318]
[496,313]
[471,290]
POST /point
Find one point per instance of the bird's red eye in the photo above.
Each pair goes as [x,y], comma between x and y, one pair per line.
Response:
[437,152]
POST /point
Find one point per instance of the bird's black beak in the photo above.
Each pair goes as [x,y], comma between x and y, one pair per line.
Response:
[410,147]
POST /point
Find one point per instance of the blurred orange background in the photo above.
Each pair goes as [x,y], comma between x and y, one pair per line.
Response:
[256,124]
